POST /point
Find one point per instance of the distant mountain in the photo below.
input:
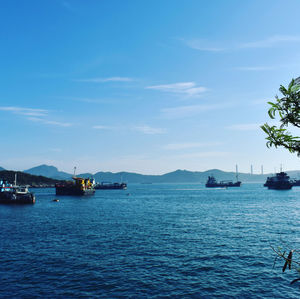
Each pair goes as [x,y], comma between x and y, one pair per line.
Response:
[178,176]
[1,168]
[49,171]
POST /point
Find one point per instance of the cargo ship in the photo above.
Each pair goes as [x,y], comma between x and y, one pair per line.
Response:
[109,186]
[212,183]
[79,186]
[281,181]
[13,194]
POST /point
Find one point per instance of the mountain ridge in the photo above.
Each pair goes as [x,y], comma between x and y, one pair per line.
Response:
[177,176]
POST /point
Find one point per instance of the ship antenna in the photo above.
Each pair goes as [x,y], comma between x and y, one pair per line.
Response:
[15,179]
[236,171]
[74,171]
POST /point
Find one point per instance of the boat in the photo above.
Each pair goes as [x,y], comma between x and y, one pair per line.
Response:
[212,183]
[295,182]
[13,194]
[79,186]
[281,181]
[109,186]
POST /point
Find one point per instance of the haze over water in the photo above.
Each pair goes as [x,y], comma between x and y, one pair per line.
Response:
[177,240]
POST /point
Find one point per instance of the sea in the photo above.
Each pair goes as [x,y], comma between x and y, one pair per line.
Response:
[151,241]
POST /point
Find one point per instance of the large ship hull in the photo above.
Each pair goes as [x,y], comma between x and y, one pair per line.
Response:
[79,187]
[223,185]
[111,186]
[73,190]
[7,197]
[281,181]
[280,186]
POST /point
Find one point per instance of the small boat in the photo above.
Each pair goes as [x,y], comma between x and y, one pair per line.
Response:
[109,186]
[13,194]
[281,181]
[79,186]
[212,183]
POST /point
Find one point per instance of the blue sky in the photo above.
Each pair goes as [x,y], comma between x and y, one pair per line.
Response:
[144,86]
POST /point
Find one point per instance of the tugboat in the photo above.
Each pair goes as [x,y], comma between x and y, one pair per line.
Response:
[109,185]
[13,194]
[279,182]
[212,183]
[79,186]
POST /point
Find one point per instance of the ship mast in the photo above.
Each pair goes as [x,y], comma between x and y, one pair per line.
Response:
[236,172]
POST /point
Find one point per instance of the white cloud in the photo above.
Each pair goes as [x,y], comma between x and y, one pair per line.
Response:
[103,80]
[149,130]
[24,111]
[186,88]
[271,41]
[189,145]
[187,111]
[49,122]
[245,127]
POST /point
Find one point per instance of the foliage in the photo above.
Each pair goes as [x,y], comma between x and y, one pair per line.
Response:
[290,261]
[288,109]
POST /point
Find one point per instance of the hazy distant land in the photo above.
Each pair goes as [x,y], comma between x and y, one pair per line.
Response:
[178,176]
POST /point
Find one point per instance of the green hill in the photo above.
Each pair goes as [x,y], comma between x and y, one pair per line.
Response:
[26,179]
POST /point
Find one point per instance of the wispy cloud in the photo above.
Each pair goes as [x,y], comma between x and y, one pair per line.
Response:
[33,114]
[87,100]
[103,80]
[55,150]
[186,88]
[189,145]
[24,111]
[187,111]
[101,127]
[149,130]
[244,127]
[272,41]
[269,42]
[261,101]
[49,122]
[201,45]
[256,68]
[267,68]
[201,155]
[145,129]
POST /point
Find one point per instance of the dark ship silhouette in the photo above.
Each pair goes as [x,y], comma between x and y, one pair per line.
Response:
[281,181]
[212,183]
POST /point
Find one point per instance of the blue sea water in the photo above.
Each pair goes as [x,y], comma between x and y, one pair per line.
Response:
[150,241]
